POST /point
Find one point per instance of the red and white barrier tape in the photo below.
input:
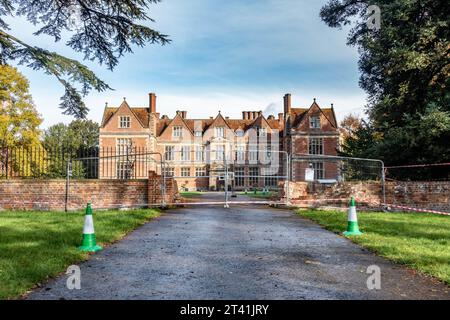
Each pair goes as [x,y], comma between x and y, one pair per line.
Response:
[416,209]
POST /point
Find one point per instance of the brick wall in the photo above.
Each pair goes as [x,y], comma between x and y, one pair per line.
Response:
[50,194]
[434,195]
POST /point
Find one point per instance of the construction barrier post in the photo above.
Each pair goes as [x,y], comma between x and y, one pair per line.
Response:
[89,243]
[352,220]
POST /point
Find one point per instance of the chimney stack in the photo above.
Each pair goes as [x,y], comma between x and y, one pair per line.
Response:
[244,115]
[287,103]
[280,117]
[152,102]
[183,114]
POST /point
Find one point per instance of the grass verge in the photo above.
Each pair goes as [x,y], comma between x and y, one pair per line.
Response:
[418,240]
[258,194]
[35,246]
[191,194]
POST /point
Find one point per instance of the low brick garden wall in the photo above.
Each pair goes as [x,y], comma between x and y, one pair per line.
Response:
[434,195]
[22,194]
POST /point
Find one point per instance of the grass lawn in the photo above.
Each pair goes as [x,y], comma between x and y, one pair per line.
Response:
[418,240]
[191,194]
[258,194]
[37,245]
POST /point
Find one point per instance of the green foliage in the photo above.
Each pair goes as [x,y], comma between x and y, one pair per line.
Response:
[405,70]
[418,240]
[75,140]
[103,30]
[37,245]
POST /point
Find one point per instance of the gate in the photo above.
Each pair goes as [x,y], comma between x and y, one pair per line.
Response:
[228,177]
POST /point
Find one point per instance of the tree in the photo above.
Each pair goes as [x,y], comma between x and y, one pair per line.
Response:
[79,139]
[19,124]
[19,119]
[405,67]
[103,30]
[79,134]
[349,125]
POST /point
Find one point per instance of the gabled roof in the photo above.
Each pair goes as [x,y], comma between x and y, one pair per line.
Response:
[298,114]
[169,124]
[141,114]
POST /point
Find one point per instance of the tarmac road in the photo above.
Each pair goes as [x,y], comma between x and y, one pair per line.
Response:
[244,252]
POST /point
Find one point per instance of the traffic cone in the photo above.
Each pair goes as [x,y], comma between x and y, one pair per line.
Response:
[352,224]
[89,244]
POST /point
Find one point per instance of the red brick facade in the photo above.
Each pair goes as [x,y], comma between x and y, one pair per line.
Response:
[292,131]
[103,193]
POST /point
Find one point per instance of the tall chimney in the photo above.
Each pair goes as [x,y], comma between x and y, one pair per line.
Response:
[183,114]
[287,103]
[244,115]
[152,102]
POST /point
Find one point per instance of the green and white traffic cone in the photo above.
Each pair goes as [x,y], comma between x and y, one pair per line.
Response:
[352,224]
[89,244]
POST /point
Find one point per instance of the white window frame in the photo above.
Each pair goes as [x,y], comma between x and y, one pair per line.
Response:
[124,122]
[200,171]
[220,152]
[240,153]
[315,146]
[169,153]
[185,172]
[199,154]
[314,122]
[123,145]
[185,153]
[219,132]
[177,131]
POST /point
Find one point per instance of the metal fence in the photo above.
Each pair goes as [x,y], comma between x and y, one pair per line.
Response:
[86,163]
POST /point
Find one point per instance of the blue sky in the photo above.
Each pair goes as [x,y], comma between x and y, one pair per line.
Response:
[225,55]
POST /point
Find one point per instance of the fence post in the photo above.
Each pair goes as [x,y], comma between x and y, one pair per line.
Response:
[7,162]
[68,174]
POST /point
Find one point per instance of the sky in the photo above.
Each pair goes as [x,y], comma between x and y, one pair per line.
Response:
[226,56]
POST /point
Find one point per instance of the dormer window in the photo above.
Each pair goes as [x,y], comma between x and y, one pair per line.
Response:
[262,132]
[124,122]
[220,132]
[198,133]
[177,131]
[314,122]
[240,133]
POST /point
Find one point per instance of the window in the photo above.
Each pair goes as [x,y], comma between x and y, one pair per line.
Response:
[168,171]
[185,153]
[220,153]
[220,132]
[253,154]
[200,171]
[315,146]
[239,177]
[319,172]
[198,133]
[240,133]
[270,181]
[185,172]
[314,122]
[169,153]
[199,155]
[262,132]
[124,170]
[240,154]
[124,122]
[124,145]
[253,176]
[177,131]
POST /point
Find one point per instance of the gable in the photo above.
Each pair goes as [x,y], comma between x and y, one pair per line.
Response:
[177,121]
[111,117]
[327,119]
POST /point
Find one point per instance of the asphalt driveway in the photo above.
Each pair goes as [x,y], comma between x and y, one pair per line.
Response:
[244,252]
